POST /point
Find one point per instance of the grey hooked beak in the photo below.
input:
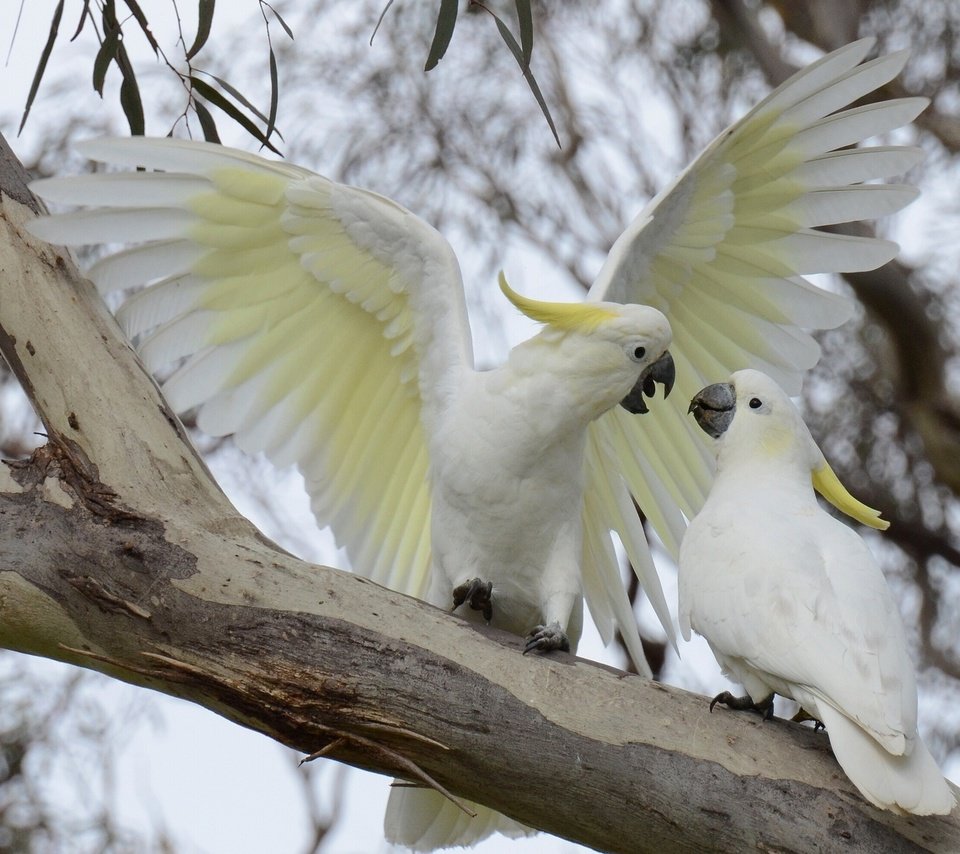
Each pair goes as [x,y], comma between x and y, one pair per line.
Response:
[662,371]
[713,407]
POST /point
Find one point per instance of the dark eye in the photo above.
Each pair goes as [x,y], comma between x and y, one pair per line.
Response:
[755,403]
[640,352]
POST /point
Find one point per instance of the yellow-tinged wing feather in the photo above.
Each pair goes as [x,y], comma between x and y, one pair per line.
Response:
[722,253]
[318,323]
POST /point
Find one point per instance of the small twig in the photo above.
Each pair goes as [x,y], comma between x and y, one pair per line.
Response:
[336,744]
[175,664]
[391,755]
[106,659]
[396,730]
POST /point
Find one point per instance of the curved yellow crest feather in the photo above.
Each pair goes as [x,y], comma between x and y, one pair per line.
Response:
[567,316]
[826,482]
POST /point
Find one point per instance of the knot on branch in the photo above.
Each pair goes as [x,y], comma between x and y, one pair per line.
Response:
[65,460]
[98,593]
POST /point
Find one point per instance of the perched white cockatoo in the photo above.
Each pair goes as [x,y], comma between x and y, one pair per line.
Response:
[326,326]
[792,602]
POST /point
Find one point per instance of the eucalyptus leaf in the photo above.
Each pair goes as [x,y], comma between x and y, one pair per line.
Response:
[42,64]
[517,52]
[446,21]
[141,19]
[205,9]
[525,17]
[207,123]
[219,100]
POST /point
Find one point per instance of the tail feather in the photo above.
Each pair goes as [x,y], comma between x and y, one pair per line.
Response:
[905,784]
[424,820]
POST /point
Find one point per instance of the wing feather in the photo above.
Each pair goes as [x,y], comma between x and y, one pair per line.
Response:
[318,323]
[723,250]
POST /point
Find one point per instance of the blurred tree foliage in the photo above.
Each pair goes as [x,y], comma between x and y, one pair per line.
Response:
[54,725]
[635,88]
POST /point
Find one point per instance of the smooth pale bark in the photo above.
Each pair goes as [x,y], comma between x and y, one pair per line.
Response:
[118,552]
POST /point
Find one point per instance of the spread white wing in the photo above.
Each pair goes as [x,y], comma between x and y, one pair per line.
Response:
[722,253]
[315,322]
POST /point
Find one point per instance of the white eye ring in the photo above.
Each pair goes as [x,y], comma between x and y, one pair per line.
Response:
[637,353]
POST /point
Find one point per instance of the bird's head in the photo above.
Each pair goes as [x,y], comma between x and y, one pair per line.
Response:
[617,351]
[756,423]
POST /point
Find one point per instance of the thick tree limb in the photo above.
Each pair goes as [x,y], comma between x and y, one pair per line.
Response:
[119,553]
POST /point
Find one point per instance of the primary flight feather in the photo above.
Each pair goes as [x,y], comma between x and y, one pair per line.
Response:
[325,326]
[792,602]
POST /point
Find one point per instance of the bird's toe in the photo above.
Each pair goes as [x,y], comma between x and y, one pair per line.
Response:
[745,703]
[478,594]
[546,639]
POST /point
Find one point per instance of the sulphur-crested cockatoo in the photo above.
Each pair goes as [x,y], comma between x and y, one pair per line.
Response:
[325,326]
[792,602]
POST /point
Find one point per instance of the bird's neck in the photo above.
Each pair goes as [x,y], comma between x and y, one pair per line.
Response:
[766,468]
[566,392]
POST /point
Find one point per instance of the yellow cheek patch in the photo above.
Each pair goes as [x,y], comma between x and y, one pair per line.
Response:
[776,442]
[826,482]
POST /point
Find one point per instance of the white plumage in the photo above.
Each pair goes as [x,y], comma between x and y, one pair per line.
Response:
[325,326]
[792,602]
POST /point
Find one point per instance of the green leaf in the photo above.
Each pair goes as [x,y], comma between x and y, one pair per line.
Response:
[107,54]
[130,99]
[280,20]
[207,124]
[274,94]
[446,21]
[132,105]
[383,15]
[83,19]
[208,93]
[237,95]
[42,64]
[205,10]
[141,19]
[517,52]
[525,16]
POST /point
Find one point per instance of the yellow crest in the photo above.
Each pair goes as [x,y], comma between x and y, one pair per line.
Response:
[826,482]
[566,316]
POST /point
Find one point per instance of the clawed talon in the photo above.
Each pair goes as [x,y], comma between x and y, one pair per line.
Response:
[741,704]
[546,639]
[477,594]
[803,715]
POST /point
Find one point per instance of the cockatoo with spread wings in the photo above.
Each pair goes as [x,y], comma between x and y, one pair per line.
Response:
[791,600]
[326,326]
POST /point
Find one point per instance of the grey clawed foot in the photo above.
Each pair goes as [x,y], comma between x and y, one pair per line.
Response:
[477,594]
[804,715]
[740,704]
[546,639]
